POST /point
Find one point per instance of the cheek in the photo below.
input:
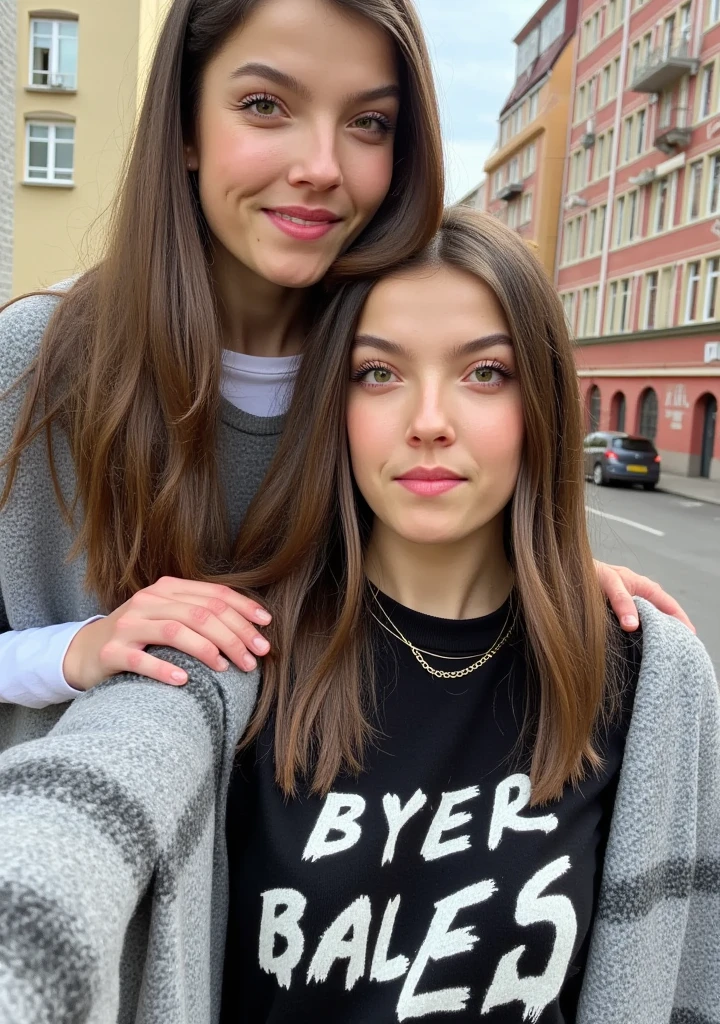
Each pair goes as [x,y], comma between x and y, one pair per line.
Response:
[239,160]
[367,176]
[496,439]
[370,438]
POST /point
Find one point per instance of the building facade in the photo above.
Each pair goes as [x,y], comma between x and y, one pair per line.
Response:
[7,143]
[524,172]
[79,77]
[639,265]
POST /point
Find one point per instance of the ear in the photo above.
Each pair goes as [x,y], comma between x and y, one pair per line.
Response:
[192,159]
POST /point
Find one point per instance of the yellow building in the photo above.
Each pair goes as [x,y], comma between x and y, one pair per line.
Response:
[80,75]
[525,171]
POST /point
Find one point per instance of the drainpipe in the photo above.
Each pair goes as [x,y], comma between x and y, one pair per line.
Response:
[566,161]
[617,128]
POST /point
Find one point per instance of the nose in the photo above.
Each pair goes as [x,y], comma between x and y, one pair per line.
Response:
[430,421]
[317,161]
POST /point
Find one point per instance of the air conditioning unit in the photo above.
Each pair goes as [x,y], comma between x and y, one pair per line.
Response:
[712,352]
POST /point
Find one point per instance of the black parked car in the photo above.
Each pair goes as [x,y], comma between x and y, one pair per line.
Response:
[614,456]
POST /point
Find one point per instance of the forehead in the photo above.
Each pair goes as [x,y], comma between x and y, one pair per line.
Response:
[440,305]
[299,32]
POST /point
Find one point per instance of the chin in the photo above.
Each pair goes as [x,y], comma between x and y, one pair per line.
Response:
[297,273]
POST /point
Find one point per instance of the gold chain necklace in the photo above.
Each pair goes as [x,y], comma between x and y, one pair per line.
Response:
[418,652]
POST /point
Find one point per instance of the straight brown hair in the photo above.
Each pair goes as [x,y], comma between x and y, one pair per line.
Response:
[302,544]
[130,363]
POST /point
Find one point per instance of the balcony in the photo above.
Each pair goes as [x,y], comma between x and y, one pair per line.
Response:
[673,131]
[664,67]
[509,191]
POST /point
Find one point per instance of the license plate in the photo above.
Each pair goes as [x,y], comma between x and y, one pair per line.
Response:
[637,469]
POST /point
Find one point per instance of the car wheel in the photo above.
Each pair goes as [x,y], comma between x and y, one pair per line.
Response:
[598,475]
[650,487]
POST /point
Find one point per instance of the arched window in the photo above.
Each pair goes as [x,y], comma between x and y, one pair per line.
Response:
[648,414]
[619,411]
[593,407]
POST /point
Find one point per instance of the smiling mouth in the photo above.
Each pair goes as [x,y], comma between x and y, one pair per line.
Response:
[303,224]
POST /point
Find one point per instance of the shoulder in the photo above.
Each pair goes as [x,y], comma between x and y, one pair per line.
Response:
[22,326]
[675,669]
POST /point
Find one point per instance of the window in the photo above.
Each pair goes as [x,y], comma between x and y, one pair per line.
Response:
[640,145]
[693,286]
[714,197]
[53,53]
[526,208]
[648,414]
[610,142]
[651,290]
[668,35]
[624,304]
[533,102]
[695,175]
[612,16]
[711,288]
[713,11]
[528,51]
[50,152]
[594,400]
[619,215]
[591,232]
[661,205]
[615,77]
[583,321]
[497,182]
[605,85]
[634,61]
[504,131]
[632,216]
[514,170]
[619,410]
[706,91]
[599,158]
[628,137]
[580,108]
[568,302]
[552,26]
[529,158]
[665,314]
[612,307]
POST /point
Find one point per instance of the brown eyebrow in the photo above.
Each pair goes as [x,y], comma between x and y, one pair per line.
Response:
[466,349]
[287,81]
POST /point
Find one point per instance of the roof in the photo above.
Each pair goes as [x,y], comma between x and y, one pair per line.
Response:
[538,69]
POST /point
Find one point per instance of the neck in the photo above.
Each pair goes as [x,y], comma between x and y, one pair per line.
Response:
[257,317]
[462,580]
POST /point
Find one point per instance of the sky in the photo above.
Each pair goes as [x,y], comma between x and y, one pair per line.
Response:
[474,59]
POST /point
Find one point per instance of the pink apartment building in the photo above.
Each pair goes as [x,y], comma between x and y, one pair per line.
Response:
[638,265]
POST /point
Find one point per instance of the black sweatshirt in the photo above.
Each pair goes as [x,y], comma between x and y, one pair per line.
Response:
[425,888]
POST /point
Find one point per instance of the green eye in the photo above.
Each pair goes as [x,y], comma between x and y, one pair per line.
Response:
[265,107]
[381,376]
[483,374]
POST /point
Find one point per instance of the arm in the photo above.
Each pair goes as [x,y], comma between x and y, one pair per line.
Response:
[119,796]
[31,665]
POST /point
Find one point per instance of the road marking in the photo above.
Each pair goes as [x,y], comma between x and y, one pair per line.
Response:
[627,522]
[692,504]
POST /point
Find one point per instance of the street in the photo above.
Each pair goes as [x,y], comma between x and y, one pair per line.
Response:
[673,540]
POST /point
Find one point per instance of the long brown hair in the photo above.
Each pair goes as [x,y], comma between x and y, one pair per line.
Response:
[130,363]
[302,542]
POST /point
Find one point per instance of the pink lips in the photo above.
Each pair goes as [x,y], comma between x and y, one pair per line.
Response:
[430,482]
[302,222]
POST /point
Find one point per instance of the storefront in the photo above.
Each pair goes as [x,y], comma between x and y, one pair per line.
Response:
[667,389]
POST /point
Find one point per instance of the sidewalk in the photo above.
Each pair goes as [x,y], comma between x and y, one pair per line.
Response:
[693,487]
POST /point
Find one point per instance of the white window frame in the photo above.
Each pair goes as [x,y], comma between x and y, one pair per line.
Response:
[695,184]
[711,287]
[625,304]
[651,290]
[663,184]
[612,306]
[714,184]
[52,84]
[713,11]
[527,205]
[52,143]
[693,288]
[632,222]
[706,90]
[619,220]
[641,130]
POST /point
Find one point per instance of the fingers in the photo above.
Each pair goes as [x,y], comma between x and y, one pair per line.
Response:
[120,658]
[620,598]
[643,587]
[174,588]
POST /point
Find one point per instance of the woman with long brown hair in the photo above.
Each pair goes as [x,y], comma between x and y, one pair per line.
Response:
[278,142]
[464,792]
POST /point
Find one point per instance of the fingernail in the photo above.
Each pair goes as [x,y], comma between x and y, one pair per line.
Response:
[222,664]
[630,620]
[178,677]
[249,663]
[261,645]
[262,616]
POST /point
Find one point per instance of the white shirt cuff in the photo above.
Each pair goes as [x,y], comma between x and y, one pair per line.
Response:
[31,664]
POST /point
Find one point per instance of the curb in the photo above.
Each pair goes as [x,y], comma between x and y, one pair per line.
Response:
[690,497]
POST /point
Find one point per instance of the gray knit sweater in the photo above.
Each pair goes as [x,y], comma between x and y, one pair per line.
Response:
[113,876]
